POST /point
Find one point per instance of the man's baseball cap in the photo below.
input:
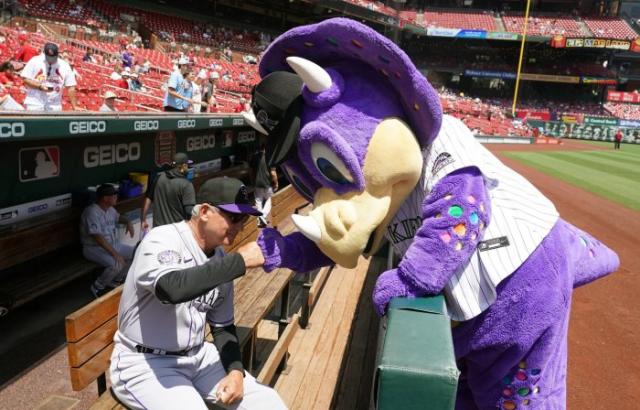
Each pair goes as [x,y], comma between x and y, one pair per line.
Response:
[50,50]
[109,94]
[105,190]
[276,105]
[228,194]
[181,158]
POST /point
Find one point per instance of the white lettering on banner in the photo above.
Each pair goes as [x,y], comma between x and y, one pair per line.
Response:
[201,142]
[146,125]
[238,121]
[100,155]
[9,129]
[37,208]
[186,123]
[87,127]
[246,136]
[215,122]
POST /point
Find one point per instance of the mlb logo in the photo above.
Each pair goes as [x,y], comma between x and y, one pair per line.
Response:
[39,163]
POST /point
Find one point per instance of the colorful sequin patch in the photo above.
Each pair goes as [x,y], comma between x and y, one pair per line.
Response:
[473,218]
[460,229]
[455,211]
[458,246]
[446,238]
[519,388]
[471,199]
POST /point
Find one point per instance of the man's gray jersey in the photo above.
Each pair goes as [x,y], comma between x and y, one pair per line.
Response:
[95,221]
[521,217]
[143,319]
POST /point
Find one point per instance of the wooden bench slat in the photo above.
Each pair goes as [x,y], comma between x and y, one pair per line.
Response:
[279,350]
[83,321]
[318,282]
[98,364]
[87,347]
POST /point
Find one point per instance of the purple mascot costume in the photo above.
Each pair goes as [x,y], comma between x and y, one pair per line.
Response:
[359,131]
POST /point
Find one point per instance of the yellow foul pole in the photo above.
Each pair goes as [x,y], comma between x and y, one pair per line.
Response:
[524,38]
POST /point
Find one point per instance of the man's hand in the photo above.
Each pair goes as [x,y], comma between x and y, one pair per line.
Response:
[231,388]
[252,255]
[120,262]
[130,229]
[144,225]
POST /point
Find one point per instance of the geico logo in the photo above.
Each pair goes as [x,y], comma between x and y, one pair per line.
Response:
[8,129]
[146,125]
[238,121]
[201,142]
[186,123]
[98,156]
[37,208]
[246,136]
[215,122]
[87,127]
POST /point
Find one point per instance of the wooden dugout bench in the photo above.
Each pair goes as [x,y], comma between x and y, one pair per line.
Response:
[90,330]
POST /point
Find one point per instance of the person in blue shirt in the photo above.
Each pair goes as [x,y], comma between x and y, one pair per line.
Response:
[174,98]
[187,92]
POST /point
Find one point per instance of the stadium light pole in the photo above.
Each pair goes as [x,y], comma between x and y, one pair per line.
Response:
[524,38]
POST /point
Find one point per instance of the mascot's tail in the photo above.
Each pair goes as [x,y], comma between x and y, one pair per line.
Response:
[591,258]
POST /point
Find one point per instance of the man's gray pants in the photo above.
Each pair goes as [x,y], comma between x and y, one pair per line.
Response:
[113,273]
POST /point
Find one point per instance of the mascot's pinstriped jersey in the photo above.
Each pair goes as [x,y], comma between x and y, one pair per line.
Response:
[366,142]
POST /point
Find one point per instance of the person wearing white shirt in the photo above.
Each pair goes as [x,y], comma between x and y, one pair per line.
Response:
[45,76]
[109,102]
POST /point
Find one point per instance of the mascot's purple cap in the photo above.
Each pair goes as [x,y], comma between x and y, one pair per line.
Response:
[344,39]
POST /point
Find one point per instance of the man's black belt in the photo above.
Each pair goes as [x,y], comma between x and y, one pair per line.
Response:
[144,349]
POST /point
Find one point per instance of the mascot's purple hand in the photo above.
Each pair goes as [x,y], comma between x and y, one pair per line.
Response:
[390,285]
[294,252]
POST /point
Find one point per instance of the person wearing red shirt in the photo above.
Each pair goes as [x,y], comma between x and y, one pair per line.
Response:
[617,140]
[6,74]
[26,51]
[241,106]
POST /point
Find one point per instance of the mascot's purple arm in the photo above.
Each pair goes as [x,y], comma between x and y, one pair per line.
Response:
[437,250]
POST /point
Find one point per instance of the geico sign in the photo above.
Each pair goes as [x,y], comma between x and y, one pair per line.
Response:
[215,122]
[87,127]
[11,129]
[238,121]
[186,123]
[100,155]
[149,125]
[37,208]
[201,142]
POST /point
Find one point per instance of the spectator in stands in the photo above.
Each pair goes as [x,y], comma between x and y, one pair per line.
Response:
[171,194]
[45,76]
[127,59]
[197,84]
[7,74]
[174,97]
[145,67]
[109,104]
[241,106]
[265,183]
[7,103]
[26,51]
[117,70]
[208,92]
[99,242]
[88,57]
[123,82]
[134,83]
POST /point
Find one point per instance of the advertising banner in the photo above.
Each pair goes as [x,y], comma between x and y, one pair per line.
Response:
[586,131]
[490,74]
[472,34]
[442,32]
[16,213]
[596,80]
[571,118]
[550,78]
[601,121]
[501,35]
[630,123]
[608,43]
[622,96]
[533,115]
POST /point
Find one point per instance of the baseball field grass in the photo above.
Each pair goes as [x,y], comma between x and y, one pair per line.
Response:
[611,174]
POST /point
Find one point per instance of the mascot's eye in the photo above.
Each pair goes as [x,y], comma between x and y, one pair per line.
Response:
[298,184]
[330,165]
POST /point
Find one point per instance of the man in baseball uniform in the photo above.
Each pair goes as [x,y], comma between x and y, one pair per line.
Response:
[98,228]
[181,279]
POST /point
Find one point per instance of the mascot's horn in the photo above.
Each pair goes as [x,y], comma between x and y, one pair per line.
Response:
[314,77]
